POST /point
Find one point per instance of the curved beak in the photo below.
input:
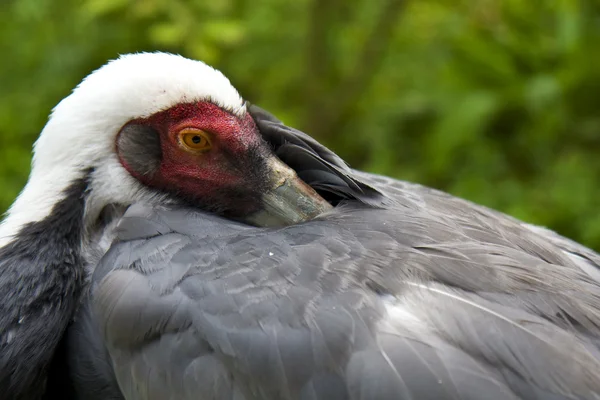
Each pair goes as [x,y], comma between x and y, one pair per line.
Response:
[288,200]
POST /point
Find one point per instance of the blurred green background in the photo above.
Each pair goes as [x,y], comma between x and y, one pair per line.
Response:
[497,101]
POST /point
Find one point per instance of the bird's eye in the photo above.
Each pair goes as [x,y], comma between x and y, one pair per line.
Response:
[194,139]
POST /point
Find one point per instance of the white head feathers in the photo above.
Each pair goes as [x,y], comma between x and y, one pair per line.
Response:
[82,129]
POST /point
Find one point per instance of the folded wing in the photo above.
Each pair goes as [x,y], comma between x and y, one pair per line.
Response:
[360,304]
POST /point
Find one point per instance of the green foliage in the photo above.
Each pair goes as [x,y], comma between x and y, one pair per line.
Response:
[493,100]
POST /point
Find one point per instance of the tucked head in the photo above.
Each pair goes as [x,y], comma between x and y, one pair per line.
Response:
[157,128]
[201,152]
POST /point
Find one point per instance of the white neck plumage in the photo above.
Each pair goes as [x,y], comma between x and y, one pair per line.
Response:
[34,204]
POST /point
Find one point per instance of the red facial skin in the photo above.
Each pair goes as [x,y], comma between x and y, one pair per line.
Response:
[226,170]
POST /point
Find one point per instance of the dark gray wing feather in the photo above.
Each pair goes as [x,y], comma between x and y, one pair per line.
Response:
[314,163]
[89,361]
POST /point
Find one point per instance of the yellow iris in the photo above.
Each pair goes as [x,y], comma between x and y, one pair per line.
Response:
[194,139]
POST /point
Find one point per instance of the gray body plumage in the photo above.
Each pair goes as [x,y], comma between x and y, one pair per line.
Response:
[429,297]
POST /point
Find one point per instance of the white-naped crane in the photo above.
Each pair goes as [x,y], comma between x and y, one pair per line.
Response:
[174,242]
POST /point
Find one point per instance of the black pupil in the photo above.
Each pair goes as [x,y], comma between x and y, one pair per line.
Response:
[196,139]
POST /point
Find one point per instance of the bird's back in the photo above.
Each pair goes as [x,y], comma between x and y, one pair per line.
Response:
[412,301]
